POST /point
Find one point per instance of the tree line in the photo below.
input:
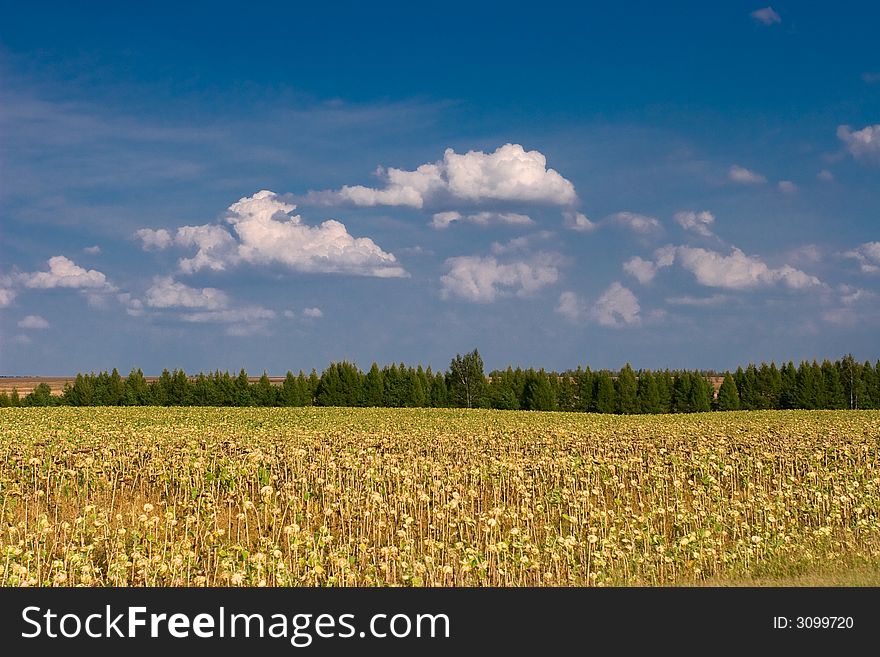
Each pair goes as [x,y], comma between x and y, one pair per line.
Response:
[843,384]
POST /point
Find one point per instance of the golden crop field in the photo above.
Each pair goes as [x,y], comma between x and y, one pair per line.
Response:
[431,497]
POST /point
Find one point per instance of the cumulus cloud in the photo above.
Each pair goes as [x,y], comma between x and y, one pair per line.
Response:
[154,239]
[33,322]
[265,232]
[314,313]
[63,272]
[787,187]
[484,279]
[92,250]
[445,219]
[766,16]
[735,271]
[867,255]
[7,296]
[744,176]
[578,221]
[168,293]
[571,307]
[642,270]
[864,143]
[696,222]
[215,248]
[638,223]
[510,173]
[825,175]
[616,307]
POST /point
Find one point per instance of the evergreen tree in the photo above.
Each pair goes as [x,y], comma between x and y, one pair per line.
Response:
[373,387]
[625,387]
[728,395]
[585,390]
[807,395]
[180,393]
[834,396]
[681,392]
[81,393]
[538,395]
[647,393]
[243,390]
[606,397]
[700,396]
[136,391]
[417,397]
[664,390]
[160,389]
[263,392]
[788,394]
[439,393]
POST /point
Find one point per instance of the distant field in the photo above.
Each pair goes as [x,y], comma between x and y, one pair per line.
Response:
[436,497]
[26,384]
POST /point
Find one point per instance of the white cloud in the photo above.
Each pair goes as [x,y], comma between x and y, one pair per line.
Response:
[521,243]
[868,256]
[168,293]
[242,321]
[638,223]
[766,16]
[510,173]
[7,296]
[616,307]
[34,322]
[133,307]
[445,219]
[289,314]
[861,143]
[245,314]
[742,175]
[738,270]
[696,222]
[92,250]
[63,272]
[315,313]
[643,270]
[483,279]
[570,306]
[408,188]
[154,239]
[714,300]
[825,175]
[265,232]
[215,248]
[578,221]
[787,187]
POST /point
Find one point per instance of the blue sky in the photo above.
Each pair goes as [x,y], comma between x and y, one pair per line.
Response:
[270,186]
